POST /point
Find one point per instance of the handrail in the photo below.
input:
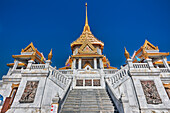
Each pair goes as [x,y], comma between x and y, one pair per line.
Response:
[119,77]
[60,79]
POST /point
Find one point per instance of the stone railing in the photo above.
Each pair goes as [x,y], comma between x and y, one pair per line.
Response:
[38,66]
[164,70]
[110,71]
[60,79]
[69,71]
[140,65]
[119,77]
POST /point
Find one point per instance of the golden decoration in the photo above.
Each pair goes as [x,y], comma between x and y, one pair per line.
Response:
[126,54]
[86,27]
[50,55]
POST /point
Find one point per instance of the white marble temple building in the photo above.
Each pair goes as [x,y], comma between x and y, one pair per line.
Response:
[87,83]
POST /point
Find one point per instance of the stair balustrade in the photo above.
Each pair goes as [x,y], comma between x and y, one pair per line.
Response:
[119,77]
[60,79]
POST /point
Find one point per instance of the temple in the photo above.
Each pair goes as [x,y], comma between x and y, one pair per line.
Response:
[87,83]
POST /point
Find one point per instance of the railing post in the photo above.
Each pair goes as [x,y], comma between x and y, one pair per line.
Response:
[55,104]
[149,61]
[30,62]
[48,62]
[130,63]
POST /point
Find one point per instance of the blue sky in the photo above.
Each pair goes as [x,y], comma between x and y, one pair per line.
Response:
[55,24]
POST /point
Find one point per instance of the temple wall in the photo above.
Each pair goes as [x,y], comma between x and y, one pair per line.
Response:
[51,89]
[37,99]
[150,91]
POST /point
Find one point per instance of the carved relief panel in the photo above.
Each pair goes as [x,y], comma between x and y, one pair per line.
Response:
[151,93]
[79,82]
[29,92]
[88,82]
[96,82]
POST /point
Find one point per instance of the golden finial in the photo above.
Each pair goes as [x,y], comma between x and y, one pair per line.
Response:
[50,55]
[86,27]
[22,50]
[126,53]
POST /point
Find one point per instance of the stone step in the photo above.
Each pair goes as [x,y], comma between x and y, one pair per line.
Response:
[89,105]
[86,111]
[88,101]
[87,108]
[85,98]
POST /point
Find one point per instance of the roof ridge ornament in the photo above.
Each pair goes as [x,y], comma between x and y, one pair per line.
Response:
[86,27]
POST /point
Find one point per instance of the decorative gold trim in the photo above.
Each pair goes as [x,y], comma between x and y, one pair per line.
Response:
[86,55]
[19,64]
[148,43]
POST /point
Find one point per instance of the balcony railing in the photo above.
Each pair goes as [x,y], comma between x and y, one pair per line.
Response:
[66,71]
[38,66]
[164,70]
[140,65]
[110,71]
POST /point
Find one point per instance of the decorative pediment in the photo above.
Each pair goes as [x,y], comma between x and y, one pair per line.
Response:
[87,65]
[29,48]
[87,47]
[148,46]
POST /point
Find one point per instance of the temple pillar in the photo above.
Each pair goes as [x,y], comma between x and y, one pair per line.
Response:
[95,63]
[101,63]
[74,63]
[149,61]
[30,62]
[48,63]
[130,63]
[165,63]
[15,65]
[79,66]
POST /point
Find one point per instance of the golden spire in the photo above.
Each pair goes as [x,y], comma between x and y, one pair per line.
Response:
[86,27]
[126,54]
[50,55]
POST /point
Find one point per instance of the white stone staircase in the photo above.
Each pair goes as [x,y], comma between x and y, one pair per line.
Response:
[88,101]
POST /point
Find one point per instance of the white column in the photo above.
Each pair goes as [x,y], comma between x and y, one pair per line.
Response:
[79,66]
[30,62]
[95,63]
[149,61]
[165,63]
[130,63]
[47,64]
[74,63]
[15,64]
[101,63]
